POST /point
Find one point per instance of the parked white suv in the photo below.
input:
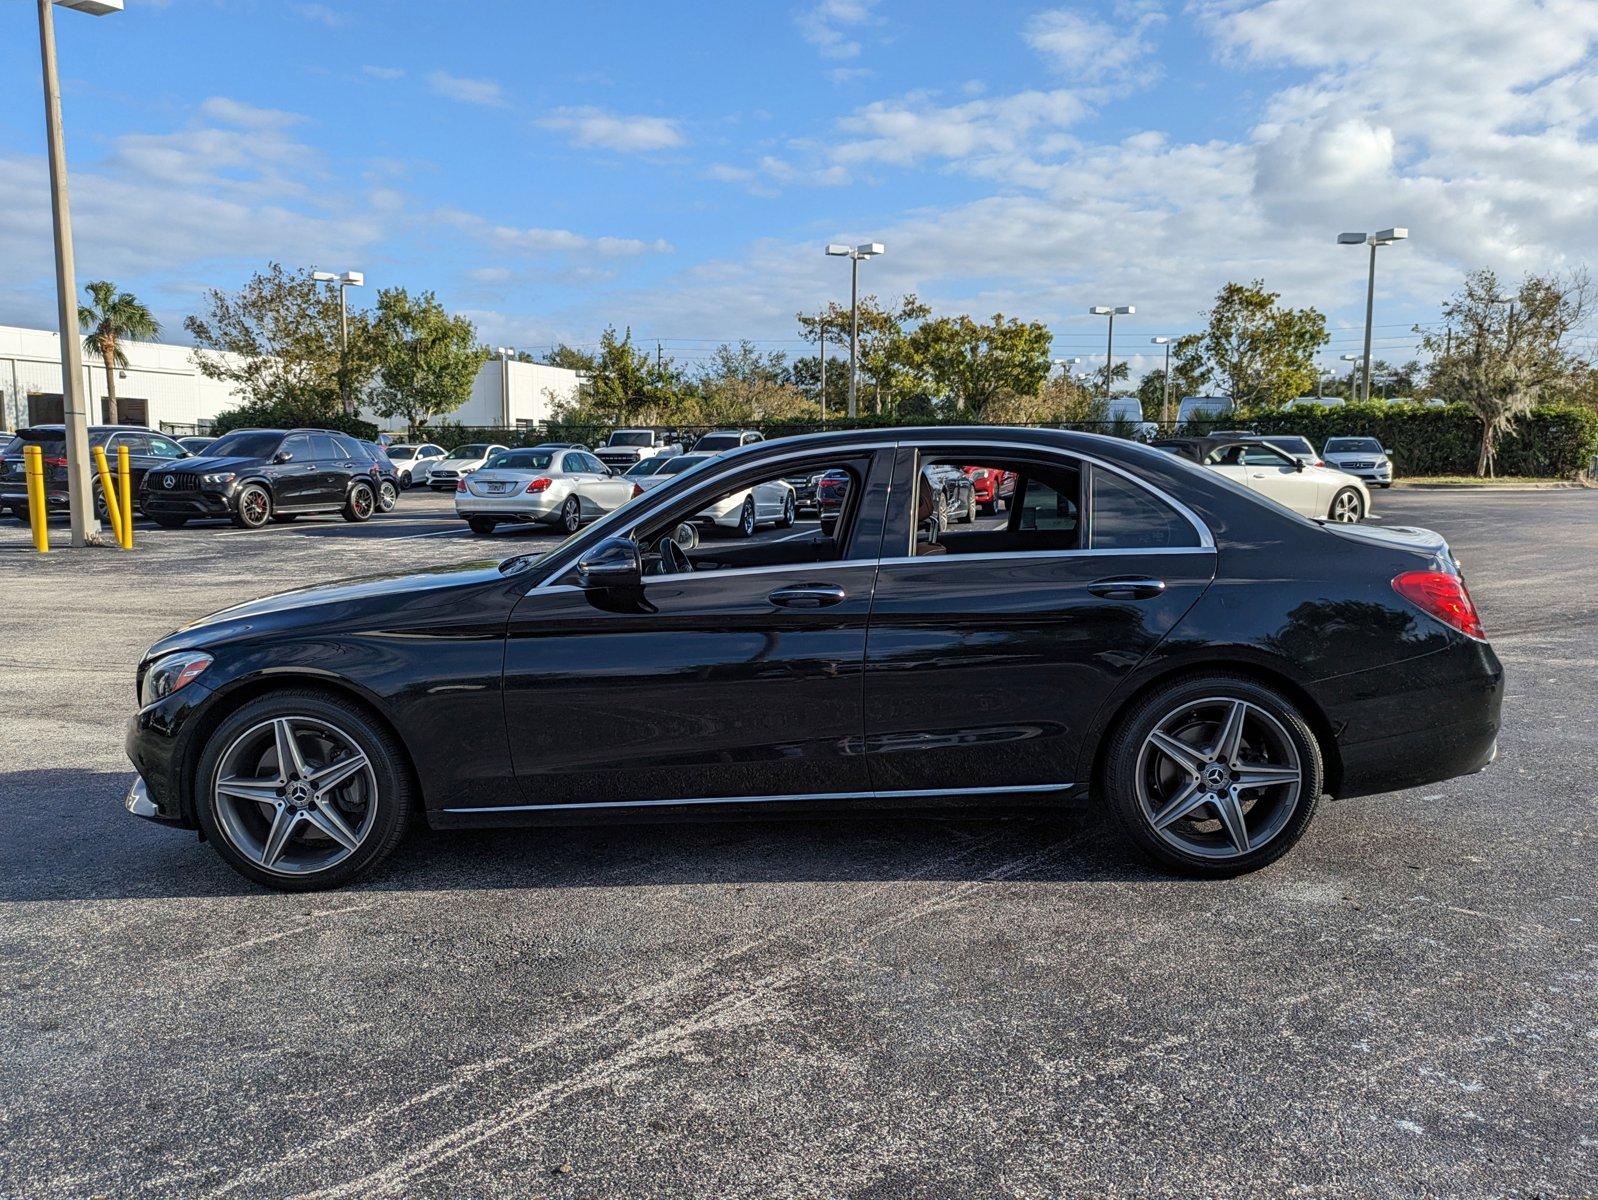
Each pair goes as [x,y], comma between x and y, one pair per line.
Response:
[627,447]
[460,462]
[414,461]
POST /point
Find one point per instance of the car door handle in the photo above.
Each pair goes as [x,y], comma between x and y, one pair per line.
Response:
[810,595]
[1127,587]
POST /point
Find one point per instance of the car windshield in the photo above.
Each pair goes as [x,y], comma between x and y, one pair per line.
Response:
[718,441]
[683,462]
[402,453]
[474,451]
[246,443]
[520,460]
[632,437]
[1349,445]
[649,466]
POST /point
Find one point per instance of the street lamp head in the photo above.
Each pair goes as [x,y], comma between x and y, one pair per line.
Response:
[1388,236]
[324,276]
[835,249]
[1099,310]
[353,278]
[1351,357]
[1351,239]
[1126,310]
[95,8]
[869,249]
[1160,341]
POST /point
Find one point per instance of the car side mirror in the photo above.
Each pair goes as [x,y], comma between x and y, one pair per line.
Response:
[1298,464]
[282,456]
[615,562]
[686,535]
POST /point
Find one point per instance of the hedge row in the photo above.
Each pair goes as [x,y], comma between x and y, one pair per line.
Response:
[1548,442]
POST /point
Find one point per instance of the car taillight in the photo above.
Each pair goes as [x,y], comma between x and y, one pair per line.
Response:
[460,484]
[541,484]
[638,490]
[55,462]
[1442,596]
[1319,463]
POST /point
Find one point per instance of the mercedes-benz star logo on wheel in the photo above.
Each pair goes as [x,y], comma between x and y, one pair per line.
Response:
[168,482]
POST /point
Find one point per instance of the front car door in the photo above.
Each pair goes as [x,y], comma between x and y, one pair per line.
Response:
[992,646]
[738,681]
[1271,472]
[296,479]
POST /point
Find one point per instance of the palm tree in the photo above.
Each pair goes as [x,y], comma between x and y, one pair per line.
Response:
[112,318]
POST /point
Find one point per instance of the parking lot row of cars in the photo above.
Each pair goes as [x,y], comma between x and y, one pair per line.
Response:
[253,477]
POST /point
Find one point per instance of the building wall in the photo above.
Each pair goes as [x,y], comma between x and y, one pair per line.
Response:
[180,399]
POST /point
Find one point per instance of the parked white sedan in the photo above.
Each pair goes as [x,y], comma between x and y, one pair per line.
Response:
[413,461]
[563,488]
[1295,483]
[460,462]
[771,503]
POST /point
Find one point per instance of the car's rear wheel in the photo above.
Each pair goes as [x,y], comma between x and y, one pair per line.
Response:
[360,504]
[970,513]
[1347,507]
[746,519]
[299,790]
[481,526]
[790,512]
[254,507]
[387,496]
[571,514]
[1213,776]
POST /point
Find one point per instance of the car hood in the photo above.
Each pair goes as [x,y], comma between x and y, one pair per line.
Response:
[357,601]
[205,465]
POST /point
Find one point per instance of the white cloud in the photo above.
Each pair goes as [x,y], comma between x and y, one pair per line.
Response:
[589,126]
[228,111]
[908,130]
[830,26]
[377,72]
[1090,50]
[843,75]
[515,239]
[467,90]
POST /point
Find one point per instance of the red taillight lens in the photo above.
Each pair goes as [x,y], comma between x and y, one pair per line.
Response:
[1319,463]
[55,462]
[460,484]
[539,485]
[638,490]
[1442,596]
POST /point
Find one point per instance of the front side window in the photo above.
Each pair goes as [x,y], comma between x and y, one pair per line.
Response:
[1261,456]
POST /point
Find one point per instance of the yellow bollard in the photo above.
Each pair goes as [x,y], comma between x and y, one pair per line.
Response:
[33,459]
[125,491]
[112,509]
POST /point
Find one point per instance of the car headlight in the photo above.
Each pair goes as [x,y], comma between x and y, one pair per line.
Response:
[217,477]
[172,673]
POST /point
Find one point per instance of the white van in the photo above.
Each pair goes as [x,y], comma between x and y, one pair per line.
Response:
[1128,411]
[1203,408]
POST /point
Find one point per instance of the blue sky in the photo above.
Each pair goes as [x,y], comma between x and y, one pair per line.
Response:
[678,168]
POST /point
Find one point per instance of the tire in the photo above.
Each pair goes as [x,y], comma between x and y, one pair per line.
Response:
[970,513]
[253,508]
[571,514]
[1384,485]
[746,519]
[940,513]
[360,504]
[374,804]
[285,518]
[790,513]
[405,483]
[101,512]
[482,526]
[387,496]
[167,521]
[1347,507]
[1142,783]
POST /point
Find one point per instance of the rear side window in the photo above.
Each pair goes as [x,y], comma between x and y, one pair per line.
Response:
[1128,517]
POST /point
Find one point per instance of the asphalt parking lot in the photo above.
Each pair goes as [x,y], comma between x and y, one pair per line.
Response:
[1403,1006]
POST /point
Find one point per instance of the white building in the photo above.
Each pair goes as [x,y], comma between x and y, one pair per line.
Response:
[161,387]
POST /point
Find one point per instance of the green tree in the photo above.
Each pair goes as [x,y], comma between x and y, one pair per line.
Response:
[427,359]
[627,385]
[277,341]
[1189,377]
[1259,352]
[562,355]
[112,318]
[970,364]
[881,349]
[1502,353]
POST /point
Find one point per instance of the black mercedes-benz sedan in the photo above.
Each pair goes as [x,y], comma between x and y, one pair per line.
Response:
[1136,632]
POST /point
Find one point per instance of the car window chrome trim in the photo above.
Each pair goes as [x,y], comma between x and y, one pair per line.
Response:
[819,568]
[907,793]
[990,555]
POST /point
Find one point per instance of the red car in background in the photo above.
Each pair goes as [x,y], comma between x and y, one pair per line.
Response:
[992,486]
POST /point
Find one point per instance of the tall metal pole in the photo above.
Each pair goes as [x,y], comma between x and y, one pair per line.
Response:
[80,498]
[1109,350]
[854,328]
[822,326]
[344,351]
[1370,310]
[1165,400]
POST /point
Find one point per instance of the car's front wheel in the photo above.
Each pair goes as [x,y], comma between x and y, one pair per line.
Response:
[300,790]
[1213,776]
[1347,507]
[253,508]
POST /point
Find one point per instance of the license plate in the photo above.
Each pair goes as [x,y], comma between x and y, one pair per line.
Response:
[496,489]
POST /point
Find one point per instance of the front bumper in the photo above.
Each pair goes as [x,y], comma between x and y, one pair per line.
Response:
[1377,474]
[184,504]
[161,743]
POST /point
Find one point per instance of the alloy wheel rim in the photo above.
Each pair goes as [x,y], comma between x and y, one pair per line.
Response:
[1346,508]
[389,495]
[253,505]
[361,501]
[747,522]
[1218,778]
[569,515]
[295,795]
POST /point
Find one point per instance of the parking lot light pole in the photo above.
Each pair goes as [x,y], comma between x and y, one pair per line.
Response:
[345,280]
[1353,361]
[1385,237]
[74,400]
[505,353]
[1099,310]
[854,254]
[1165,399]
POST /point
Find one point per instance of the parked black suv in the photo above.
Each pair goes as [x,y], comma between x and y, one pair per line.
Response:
[253,476]
[147,451]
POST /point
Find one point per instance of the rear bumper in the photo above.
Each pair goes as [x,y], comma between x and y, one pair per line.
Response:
[1420,722]
[507,508]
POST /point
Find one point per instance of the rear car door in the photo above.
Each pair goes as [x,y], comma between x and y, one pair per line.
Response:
[732,682]
[606,491]
[987,661]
